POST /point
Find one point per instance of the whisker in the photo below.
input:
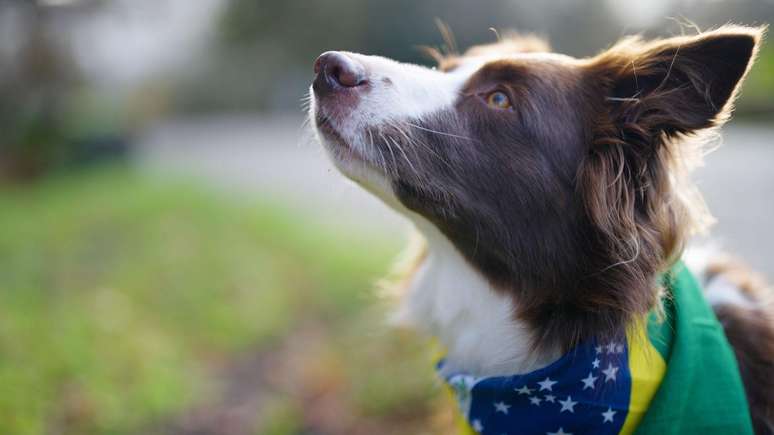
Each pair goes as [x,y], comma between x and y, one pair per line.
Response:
[405,156]
[443,133]
[381,154]
[409,140]
[417,142]
[392,153]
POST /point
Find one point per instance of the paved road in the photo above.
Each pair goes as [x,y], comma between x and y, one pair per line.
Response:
[276,158]
[738,184]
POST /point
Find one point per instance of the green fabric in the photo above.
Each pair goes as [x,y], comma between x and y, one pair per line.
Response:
[702,391]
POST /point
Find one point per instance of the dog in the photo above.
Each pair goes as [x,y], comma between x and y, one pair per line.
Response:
[554,203]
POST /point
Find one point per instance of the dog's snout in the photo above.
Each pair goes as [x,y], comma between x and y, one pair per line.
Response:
[335,71]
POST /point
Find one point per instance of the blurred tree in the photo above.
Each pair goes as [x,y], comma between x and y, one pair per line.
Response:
[262,54]
[34,87]
[49,113]
[262,46]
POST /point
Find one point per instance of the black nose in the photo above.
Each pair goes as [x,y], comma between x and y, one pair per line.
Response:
[335,71]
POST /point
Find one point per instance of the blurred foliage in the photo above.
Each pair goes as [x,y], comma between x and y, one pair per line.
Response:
[124,303]
[261,46]
[263,50]
[757,98]
[49,115]
[260,54]
[34,89]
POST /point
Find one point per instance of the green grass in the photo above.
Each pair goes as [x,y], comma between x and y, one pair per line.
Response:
[758,90]
[118,294]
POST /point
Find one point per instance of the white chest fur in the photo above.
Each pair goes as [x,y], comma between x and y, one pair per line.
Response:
[450,300]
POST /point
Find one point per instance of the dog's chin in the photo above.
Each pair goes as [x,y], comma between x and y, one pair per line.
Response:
[353,164]
[340,150]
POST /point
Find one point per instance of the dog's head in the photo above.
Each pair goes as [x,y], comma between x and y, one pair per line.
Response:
[560,180]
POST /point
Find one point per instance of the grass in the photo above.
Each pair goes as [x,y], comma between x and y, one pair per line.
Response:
[757,94]
[124,300]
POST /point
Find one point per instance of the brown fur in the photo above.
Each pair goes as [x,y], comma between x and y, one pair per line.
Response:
[638,151]
[645,108]
[750,330]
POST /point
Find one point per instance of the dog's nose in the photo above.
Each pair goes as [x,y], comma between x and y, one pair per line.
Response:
[335,71]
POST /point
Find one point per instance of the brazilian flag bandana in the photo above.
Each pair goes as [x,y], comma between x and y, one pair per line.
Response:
[671,375]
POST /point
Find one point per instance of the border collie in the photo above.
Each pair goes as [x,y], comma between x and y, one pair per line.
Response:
[554,202]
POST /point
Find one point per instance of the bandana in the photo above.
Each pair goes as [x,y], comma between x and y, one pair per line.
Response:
[676,374]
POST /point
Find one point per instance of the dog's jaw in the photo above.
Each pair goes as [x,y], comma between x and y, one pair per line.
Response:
[475,324]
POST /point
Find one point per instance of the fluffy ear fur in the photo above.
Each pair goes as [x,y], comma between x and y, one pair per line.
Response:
[646,97]
[677,85]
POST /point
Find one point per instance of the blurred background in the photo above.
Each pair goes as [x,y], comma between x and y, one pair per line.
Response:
[176,254]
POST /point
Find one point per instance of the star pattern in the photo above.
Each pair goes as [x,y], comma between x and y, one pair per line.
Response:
[598,407]
[588,382]
[610,372]
[502,407]
[568,405]
[608,415]
[546,384]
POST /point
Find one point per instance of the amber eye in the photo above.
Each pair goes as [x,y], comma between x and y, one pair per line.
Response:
[498,100]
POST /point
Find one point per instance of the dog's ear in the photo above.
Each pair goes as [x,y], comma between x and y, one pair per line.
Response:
[641,207]
[676,85]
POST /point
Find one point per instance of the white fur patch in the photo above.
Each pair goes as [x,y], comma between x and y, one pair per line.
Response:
[399,93]
[719,290]
[450,300]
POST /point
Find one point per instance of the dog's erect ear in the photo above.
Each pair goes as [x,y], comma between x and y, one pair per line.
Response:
[636,195]
[676,85]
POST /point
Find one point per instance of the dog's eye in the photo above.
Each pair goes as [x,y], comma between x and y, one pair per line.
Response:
[498,100]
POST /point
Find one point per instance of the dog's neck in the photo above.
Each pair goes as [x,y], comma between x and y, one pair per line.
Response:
[475,324]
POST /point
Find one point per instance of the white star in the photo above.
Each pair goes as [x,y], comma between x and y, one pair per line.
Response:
[559,432]
[546,384]
[568,405]
[501,407]
[550,398]
[608,416]
[619,348]
[595,363]
[524,390]
[535,400]
[611,348]
[610,372]
[589,381]
[477,426]
[598,349]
